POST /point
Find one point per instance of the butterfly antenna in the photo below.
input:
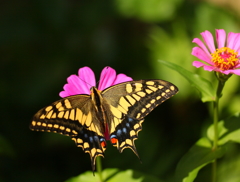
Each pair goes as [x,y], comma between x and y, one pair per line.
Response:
[103,74]
[87,83]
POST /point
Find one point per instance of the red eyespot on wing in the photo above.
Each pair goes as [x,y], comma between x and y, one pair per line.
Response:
[103,144]
[114,141]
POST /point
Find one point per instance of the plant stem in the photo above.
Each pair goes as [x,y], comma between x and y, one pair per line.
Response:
[216,112]
[99,169]
[214,171]
[221,84]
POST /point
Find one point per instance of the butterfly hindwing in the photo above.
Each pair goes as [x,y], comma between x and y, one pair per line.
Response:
[129,103]
[73,116]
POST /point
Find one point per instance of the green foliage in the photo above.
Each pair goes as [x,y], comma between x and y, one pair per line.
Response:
[149,11]
[114,175]
[202,85]
[202,154]
[230,131]
[195,159]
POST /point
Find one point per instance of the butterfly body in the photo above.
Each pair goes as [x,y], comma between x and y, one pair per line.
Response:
[114,114]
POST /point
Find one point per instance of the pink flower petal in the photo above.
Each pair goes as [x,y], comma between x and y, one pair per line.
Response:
[79,84]
[237,43]
[108,75]
[202,46]
[231,40]
[236,72]
[68,90]
[72,87]
[200,54]
[63,94]
[82,84]
[208,38]
[122,78]
[221,38]
[200,64]
[87,78]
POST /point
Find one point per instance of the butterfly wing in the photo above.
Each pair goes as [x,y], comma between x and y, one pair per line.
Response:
[129,103]
[73,116]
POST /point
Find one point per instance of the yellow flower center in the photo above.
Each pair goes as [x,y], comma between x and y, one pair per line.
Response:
[225,58]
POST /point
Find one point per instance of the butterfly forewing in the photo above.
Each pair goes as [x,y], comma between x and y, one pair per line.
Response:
[73,116]
[129,103]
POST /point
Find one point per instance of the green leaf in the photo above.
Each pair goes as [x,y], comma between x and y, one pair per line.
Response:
[114,175]
[232,125]
[201,84]
[193,174]
[196,158]
[221,130]
[89,177]
[204,142]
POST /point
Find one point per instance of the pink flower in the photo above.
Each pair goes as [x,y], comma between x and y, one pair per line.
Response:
[82,83]
[224,59]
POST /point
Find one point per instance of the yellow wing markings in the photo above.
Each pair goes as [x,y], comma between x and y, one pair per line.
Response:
[78,115]
[152,101]
[42,116]
[34,123]
[138,87]
[114,123]
[131,100]
[172,88]
[152,88]
[160,87]
[50,125]
[85,119]
[72,114]
[143,110]
[150,83]
[48,108]
[58,105]
[141,93]
[66,115]
[116,112]
[60,114]
[129,88]
[148,91]
[167,91]
[148,105]
[67,104]
[133,133]
[88,119]
[137,97]
[124,103]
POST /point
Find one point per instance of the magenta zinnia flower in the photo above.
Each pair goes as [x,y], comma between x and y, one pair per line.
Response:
[82,83]
[225,58]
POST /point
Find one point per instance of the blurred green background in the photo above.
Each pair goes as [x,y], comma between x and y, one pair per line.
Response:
[43,42]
